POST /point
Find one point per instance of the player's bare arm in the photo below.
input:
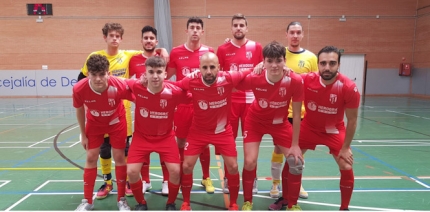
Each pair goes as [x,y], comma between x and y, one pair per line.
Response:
[345,152]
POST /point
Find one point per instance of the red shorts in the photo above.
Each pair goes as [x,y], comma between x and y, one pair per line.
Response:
[143,145]
[309,139]
[117,134]
[223,142]
[282,134]
[182,120]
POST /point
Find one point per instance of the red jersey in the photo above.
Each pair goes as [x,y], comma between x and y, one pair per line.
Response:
[325,105]
[186,60]
[212,102]
[154,111]
[104,108]
[236,58]
[137,66]
[272,99]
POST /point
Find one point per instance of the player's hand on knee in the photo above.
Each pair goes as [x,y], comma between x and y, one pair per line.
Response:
[346,155]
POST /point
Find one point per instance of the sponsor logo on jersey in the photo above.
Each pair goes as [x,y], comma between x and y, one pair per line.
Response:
[202,104]
[218,104]
[310,89]
[95,113]
[234,67]
[144,112]
[263,103]
[261,89]
[312,105]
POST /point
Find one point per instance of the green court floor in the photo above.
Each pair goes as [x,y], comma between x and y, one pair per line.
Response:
[391,148]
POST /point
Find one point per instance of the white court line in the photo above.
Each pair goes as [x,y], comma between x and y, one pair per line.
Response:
[18,202]
[261,146]
[391,111]
[406,141]
[34,147]
[26,142]
[334,205]
[53,136]
[4,182]
[41,186]
[23,108]
[77,142]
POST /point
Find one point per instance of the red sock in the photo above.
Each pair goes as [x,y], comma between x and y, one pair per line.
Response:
[247,184]
[233,187]
[144,172]
[294,183]
[346,187]
[90,175]
[181,155]
[137,192]
[173,192]
[186,184]
[284,182]
[165,172]
[121,177]
[205,160]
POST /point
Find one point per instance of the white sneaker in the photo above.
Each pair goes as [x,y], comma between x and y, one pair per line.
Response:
[85,206]
[225,189]
[165,188]
[123,205]
[303,194]
[255,187]
[146,186]
[275,191]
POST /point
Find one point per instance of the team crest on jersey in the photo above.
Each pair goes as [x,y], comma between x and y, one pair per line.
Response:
[111,102]
[234,67]
[312,105]
[333,98]
[249,55]
[144,112]
[119,60]
[163,103]
[263,103]
[220,90]
[203,104]
[186,70]
[301,64]
[282,91]
[95,113]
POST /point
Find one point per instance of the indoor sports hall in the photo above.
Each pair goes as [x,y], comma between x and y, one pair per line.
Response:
[385,49]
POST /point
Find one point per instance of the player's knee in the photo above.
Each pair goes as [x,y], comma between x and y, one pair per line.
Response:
[232,168]
[92,158]
[187,167]
[174,172]
[105,149]
[250,163]
[295,168]
[132,172]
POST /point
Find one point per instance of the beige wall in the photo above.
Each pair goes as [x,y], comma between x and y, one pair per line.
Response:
[64,40]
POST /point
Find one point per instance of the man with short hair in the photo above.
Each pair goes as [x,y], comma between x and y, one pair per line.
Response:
[138,68]
[301,61]
[330,96]
[268,114]
[155,106]
[101,96]
[184,59]
[238,54]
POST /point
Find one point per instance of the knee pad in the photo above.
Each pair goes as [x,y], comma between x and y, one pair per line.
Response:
[295,169]
[127,145]
[105,149]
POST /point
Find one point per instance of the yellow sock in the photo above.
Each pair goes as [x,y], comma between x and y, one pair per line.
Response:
[106,170]
[277,161]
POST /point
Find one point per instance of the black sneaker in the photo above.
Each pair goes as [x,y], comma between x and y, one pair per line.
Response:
[141,207]
[278,204]
[171,207]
